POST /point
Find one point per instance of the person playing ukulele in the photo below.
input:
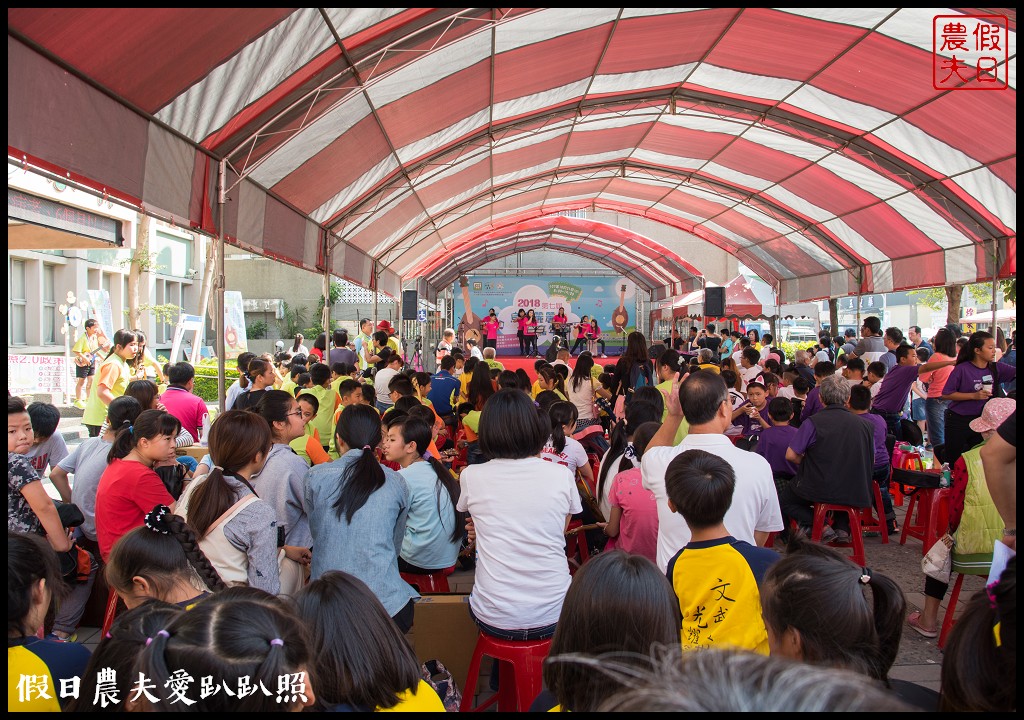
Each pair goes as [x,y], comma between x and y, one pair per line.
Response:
[85,349]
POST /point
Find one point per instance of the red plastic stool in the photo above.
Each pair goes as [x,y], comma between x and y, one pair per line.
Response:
[932,516]
[520,673]
[947,619]
[868,521]
[435,582]
[111,612]
[856,536]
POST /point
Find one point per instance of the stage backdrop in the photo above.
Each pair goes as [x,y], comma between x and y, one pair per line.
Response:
[600,297]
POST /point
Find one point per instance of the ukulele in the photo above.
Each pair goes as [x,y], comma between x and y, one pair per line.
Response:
[469,325]
[620,317]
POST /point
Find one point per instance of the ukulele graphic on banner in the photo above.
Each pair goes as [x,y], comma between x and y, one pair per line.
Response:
[620,317]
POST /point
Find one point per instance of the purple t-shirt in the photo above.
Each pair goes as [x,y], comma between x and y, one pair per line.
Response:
[750,425]
[772,446]
[812,404]
[879,430]
[967,378]
[805,436]
[892,396]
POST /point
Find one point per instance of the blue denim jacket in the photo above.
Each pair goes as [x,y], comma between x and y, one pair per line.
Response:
[366,548]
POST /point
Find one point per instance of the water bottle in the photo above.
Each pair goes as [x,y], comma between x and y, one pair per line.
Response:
[206,430]
[946,478]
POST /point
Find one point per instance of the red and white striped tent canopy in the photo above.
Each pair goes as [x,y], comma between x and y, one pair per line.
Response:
[420,142]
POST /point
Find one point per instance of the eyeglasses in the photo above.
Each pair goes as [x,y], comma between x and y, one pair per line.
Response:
[297,413]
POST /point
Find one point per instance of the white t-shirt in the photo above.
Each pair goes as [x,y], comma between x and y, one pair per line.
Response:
[573,456]
[748,374]
[86,464]
[582,398]
[755,502]
[604,502]
[785,391]
[474,351]
[519,508]
[380,385]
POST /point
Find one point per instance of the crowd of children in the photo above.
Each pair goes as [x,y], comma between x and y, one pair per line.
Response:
[282,554]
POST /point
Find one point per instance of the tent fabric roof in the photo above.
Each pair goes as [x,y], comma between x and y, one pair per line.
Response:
[809,143]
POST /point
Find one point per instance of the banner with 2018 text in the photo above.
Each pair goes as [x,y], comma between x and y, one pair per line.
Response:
[612,300]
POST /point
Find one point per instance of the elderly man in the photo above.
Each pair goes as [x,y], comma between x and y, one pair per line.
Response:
[834,451]
[802,358]
[706,360]
[489,358]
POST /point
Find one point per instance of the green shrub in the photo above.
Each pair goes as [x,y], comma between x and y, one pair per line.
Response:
[206,380]
[256,330]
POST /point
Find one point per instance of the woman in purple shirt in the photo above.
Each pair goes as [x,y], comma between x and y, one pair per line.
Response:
[973,380]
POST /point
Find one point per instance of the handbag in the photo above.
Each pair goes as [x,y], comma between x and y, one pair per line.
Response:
[440,678]
[938,561]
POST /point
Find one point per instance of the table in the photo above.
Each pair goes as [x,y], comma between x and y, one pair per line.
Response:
[194,451]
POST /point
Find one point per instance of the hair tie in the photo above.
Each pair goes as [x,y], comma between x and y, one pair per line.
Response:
[107,635]
[156,519]
[630,451]
[367,447]
[218,467]
[163,633]
[131,429]
[427,455]
[278,642]
[990,593]
[865,575]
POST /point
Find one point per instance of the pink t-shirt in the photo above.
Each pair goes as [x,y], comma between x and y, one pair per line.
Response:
[490,326]
[936,379]
[187,407]
[638,527]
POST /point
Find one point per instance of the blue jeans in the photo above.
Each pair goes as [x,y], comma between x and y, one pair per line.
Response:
[935,412]
[538,633]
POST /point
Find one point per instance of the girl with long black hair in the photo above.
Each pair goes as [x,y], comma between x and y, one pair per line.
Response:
[434,529]
[237,529]
[112,377]
[358,511]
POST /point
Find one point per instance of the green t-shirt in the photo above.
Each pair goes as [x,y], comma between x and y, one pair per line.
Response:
[684,427]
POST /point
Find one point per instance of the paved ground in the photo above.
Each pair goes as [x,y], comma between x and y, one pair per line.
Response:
[919,659]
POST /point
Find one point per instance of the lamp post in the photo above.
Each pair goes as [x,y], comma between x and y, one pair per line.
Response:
[72,315]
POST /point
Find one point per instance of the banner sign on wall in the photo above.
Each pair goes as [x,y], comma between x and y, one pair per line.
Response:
[97,306]
[235,340]
[612,300]
[31,374]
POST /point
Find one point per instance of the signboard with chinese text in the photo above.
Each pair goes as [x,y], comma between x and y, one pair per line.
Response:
[31,374]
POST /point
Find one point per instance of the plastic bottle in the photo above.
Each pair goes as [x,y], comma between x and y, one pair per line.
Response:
[206,430]
[946,478]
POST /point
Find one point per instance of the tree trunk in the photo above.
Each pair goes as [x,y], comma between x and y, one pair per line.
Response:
[140,263]
[208,276]
[833,317]
[953,295]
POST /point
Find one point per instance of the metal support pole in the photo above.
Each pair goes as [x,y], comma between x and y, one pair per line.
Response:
[325,318]
[373,287]
[995,273]
[221,201]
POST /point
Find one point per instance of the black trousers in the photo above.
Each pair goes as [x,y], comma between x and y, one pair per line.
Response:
[959,436]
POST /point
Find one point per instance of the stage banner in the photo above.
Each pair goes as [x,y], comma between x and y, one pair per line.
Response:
[612,300]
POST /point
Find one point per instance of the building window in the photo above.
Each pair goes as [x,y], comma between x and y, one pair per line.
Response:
[49,306]
[17,308]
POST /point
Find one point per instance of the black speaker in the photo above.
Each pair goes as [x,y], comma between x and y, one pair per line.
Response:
[408,304]
[714,301]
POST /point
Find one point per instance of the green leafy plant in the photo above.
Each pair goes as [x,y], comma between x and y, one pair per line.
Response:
[292,321]
[256,330]
[166,313]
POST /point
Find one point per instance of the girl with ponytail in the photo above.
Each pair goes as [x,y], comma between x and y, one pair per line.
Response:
[228,642]
[237,530]
[433,532]
[561,447]
[637,413]
[357,514]
[112,377]
[633,521]
[161,560]
[87,463]
[129,487]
